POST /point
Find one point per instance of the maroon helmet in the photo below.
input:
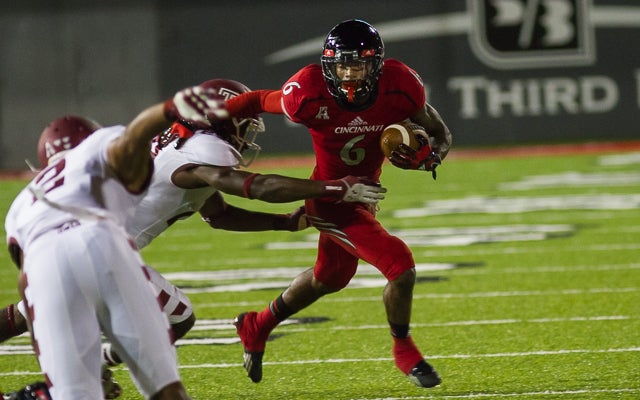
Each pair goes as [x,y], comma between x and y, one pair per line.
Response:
[63,134]
[239,132]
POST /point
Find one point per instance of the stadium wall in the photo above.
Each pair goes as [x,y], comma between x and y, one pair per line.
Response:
[500,72]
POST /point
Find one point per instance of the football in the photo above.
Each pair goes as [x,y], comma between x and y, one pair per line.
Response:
[400,133]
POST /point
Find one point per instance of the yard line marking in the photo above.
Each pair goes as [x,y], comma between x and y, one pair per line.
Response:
[263,278]
[388,359]
[431,296]
[298,328]
[515,204]
[432,357]
[478,322]
[517,293]
[514,293]
[547,269]
[293,325]
[494,395]
[572,179]
[444,251]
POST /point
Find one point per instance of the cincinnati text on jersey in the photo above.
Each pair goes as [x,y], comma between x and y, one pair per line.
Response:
[358,129]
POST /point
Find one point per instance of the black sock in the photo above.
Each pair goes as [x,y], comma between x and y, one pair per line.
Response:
[399,331]
[279,309]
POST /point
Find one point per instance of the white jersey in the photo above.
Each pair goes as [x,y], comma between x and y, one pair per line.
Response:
[84,275]
[166,203]
[48,202]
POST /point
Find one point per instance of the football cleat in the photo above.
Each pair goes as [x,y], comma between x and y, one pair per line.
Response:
[34,391]
[110,387]
[253,365]
[423,375]
[253,343]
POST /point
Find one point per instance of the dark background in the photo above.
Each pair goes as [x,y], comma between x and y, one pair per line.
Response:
[109,59]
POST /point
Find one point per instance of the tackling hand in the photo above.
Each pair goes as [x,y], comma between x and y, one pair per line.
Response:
[296,220]
[356,189]
[423,159]
[196,107]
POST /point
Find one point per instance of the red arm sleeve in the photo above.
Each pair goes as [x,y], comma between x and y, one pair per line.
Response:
[255,102]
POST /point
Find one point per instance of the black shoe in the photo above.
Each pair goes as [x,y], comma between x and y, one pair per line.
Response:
[423,375]
[253,365]
[35,391]
[253,344]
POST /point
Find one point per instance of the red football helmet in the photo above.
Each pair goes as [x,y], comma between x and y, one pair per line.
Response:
[61,135]
[239,132]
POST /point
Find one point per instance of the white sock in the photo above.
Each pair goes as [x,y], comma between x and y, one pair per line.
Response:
[108,357]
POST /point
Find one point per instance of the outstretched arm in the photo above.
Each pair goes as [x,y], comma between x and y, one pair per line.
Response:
[255,102]
[277,188]
[222,215]
[129,154]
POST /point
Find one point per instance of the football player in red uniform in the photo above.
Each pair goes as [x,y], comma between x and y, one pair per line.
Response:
[345,103]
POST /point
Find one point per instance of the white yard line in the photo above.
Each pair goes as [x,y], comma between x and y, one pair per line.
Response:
[545,393]
[294,326]
[560,352]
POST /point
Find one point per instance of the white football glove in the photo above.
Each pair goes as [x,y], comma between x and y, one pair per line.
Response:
[353,189]
[196,106]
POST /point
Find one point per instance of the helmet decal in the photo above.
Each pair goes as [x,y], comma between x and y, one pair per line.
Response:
[239,132]
[63,134]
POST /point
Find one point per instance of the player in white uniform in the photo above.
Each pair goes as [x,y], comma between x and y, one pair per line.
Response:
[191,168]
[80,274]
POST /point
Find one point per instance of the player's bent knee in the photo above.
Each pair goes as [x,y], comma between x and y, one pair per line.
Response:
[406,280]
[321,289]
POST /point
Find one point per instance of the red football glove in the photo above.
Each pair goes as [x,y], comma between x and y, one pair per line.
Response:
[423,159]
[196,107]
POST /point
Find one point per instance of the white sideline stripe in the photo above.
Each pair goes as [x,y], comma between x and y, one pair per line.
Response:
[519,395]
[388,359]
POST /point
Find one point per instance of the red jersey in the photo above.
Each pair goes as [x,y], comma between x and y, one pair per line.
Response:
[348,142]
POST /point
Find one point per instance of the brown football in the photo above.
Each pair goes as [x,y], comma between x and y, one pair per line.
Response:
[401,132]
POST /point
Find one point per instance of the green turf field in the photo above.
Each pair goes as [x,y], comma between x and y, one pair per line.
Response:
[529,288]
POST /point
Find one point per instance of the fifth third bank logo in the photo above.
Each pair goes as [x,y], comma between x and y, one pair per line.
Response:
[532,33]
